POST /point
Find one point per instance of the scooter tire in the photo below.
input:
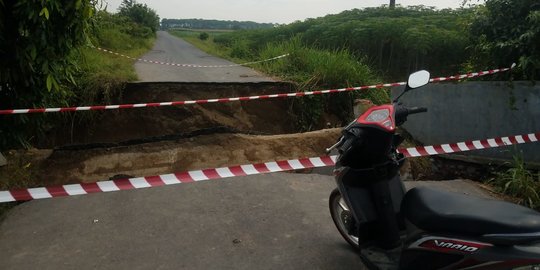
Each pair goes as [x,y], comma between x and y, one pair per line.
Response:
[333,203]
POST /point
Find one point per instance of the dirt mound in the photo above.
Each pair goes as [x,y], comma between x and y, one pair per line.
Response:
[207,151]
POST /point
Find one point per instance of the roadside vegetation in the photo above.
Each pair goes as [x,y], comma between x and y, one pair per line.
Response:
[519,182]
[46,59]
[393,42]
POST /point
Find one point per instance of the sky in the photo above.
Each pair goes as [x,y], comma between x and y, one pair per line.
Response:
[266,11]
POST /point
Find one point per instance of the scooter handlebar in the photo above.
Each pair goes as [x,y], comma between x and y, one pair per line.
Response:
[414,110]
[402,113]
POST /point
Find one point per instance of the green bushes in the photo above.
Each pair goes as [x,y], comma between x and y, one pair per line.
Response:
[203,36]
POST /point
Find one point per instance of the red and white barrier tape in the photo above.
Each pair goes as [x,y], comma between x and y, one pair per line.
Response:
[188,65]
[242,170]
[226,100]
[421,151]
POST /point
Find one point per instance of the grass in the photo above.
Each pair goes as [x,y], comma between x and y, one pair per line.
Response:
[519,183]
[317,68]
[103,75]
[100,66]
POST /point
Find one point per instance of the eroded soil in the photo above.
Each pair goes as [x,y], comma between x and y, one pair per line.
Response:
[200,152]
[154,141]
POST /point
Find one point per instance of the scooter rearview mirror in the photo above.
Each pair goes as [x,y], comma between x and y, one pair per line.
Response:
[418,79]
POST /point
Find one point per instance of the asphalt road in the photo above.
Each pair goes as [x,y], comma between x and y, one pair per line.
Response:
[171,49]
[276,221]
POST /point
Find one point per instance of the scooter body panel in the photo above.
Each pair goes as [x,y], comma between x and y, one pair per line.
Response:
[355,187]
[433,251]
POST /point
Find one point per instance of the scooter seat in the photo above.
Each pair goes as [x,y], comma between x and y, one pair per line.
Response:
[495,221]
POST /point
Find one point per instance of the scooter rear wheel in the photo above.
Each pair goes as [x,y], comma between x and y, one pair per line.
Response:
[342,217]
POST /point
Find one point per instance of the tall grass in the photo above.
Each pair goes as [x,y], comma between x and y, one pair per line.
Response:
[520,183]
[313,67]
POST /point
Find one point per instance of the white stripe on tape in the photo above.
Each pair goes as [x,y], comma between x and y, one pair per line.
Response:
[224,172]
[74,189]
[478,145]
[198,175]
[139,182]
[108,186]
[273,167]
[39,193]
[170,179]
[249,169]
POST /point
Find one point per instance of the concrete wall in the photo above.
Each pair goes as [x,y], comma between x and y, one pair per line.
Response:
[476,110]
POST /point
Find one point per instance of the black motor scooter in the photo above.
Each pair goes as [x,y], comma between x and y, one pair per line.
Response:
[423,228]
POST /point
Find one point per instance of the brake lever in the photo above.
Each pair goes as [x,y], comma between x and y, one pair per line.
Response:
[340,142]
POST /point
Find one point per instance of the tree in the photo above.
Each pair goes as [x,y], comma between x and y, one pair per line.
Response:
[140,14]
[37,41]
[392,4]
[507,31]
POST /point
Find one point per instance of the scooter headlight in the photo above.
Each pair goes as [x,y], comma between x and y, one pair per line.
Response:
[378,116]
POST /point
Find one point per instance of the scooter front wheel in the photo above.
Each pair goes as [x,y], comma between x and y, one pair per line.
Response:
[342,217]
